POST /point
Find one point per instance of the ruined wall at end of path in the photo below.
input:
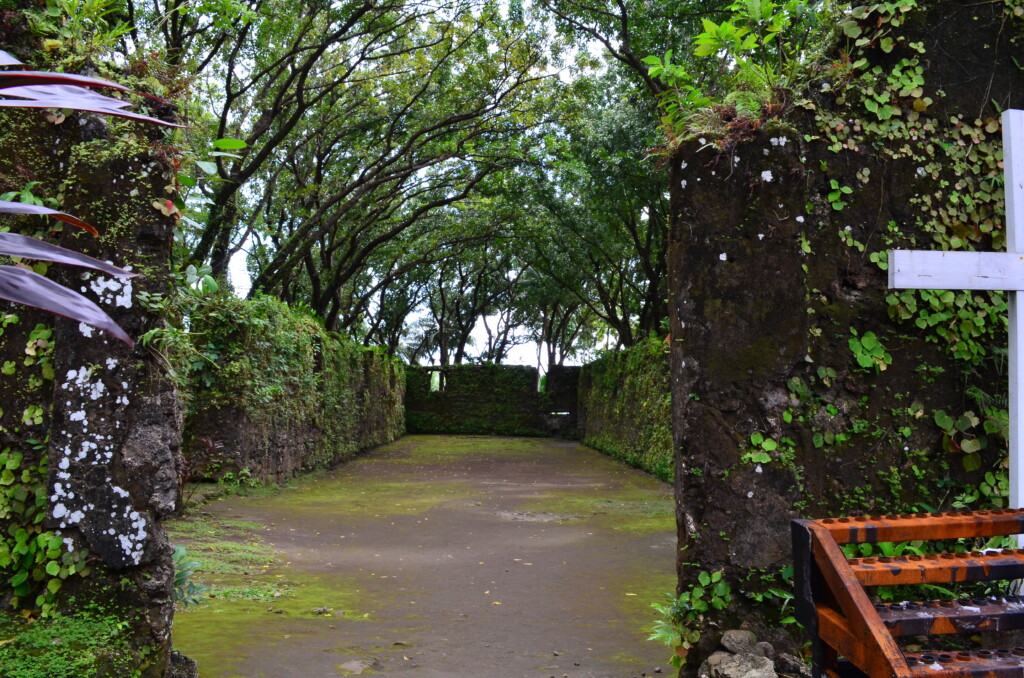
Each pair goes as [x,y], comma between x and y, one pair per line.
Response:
[273,393]
[486,399]
[625,407]
[559,400]
[90,436]
[803,387]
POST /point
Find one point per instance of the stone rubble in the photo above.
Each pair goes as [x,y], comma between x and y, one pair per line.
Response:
[744,656]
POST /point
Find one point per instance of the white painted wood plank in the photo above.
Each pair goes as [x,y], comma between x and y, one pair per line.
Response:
[912,269]
[1013,168]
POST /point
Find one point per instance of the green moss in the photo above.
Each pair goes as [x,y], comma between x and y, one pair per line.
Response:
[484,399]
[234,560]
[280,370]
[91,644]
[628,402]
[630,509]
[242,623]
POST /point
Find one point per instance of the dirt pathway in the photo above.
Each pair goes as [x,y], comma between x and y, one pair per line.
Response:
[440,556]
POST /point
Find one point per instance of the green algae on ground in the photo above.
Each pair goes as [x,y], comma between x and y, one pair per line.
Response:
[628,510]
[233,558]
[315,604]
[380,496]
[439,450]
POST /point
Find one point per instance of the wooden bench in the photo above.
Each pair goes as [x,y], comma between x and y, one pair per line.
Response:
[852,636]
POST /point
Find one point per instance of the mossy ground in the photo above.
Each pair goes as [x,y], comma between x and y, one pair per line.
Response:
[436,552]
[91,643]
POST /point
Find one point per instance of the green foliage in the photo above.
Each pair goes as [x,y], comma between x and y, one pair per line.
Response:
[186,591]
[628,400]
[489,399]
[991,493]
[765,450]
[92,642]
[280,368]
[761,47]
[79,30]
[868,351]
[682,618]
[33,560]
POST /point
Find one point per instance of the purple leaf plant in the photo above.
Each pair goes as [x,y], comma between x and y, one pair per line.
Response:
[35,89]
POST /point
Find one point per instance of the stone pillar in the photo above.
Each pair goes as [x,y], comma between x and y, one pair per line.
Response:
[777,227]
[91,426]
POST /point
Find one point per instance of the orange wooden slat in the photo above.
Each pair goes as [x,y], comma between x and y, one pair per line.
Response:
[910,527]
[946,568]
[881,657]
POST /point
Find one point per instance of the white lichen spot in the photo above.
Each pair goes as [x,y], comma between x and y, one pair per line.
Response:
[119,491]
[723,256]
[77,416]
[760,236]
[86,330]
[799,220]
[758,469]
[69,543]
[750,495]
[63,464]
[112,291]
[920,172]
[111,363]
[766,175]
[59,511]
[682,184]
[779,141]
[75,517]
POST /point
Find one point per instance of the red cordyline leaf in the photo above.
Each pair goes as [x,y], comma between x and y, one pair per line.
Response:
[15,245]
[26,78]
[31,289]
[28,208]
[40,89]
[34,89]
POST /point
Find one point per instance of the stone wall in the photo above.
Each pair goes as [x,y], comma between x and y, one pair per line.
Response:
[784,406]
[275,393]
[625,407]
[560,400]
[489,399]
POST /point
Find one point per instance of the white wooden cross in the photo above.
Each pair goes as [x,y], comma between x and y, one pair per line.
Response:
[987,271]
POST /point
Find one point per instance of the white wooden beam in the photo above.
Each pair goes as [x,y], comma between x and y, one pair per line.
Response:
[1013,168]
[914,269]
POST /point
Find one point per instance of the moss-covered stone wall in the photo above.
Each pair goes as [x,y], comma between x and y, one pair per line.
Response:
[272,392]
[489,399]
[625,407]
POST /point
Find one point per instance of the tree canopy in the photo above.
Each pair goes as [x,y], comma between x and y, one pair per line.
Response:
[412,171]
